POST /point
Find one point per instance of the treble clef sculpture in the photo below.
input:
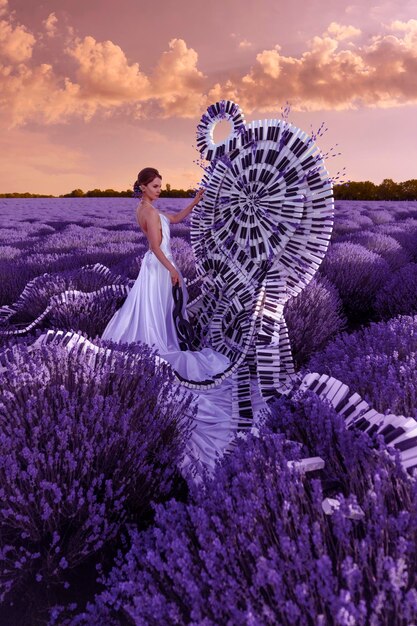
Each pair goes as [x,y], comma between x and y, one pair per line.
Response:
[258,235]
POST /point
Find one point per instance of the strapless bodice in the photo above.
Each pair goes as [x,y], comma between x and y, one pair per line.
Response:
[166,234]
[165,244]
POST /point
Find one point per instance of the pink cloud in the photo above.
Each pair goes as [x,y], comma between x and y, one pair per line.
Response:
[36,93]
[380,73]
[104,74]
[177,82]
[335,71]
[245,44]
[51,25]
[340,32]
[16,44]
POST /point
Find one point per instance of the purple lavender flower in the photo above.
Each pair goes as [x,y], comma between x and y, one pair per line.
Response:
[83,450]
[358,274]
[254,538]
[378,362]
[399,295]
[313,317]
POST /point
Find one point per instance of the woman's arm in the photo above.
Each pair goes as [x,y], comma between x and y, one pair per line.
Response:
[174,218]
[153,233]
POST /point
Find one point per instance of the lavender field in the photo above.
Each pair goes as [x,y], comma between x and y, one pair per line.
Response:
[97,525]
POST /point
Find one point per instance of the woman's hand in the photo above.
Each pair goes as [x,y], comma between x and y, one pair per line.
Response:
[198,196]
[175,277]
[178,217]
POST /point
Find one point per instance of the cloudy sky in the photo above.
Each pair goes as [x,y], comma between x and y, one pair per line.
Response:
[92,91]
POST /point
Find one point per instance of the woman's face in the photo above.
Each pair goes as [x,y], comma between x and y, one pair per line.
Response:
[153,189]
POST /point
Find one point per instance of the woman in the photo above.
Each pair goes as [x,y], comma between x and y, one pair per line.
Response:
[149,182]
[147,313]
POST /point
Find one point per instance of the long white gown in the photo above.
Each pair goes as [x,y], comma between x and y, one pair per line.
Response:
[146,315]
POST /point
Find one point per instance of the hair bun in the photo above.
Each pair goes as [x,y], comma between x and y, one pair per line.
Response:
[137,191]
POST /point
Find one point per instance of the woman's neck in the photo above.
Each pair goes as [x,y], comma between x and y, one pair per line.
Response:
[145,201]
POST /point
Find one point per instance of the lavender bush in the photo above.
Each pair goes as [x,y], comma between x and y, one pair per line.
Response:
[405,233]
[313,317]
[83,450]
[384,245]
[14,275]
[181,230]
[380,216]
[343,226]
[363,220]
[130,266]
[399,295]
[357,274]
[253,546]
[378,362]
[9,252]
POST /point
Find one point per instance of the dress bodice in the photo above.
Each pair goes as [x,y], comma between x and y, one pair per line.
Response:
[165,243]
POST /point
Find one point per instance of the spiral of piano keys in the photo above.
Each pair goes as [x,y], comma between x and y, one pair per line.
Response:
[397,431]
[261,229]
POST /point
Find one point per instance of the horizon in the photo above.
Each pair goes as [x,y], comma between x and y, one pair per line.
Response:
[175,189]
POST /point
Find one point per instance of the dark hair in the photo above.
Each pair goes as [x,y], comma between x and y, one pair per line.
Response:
[145,177]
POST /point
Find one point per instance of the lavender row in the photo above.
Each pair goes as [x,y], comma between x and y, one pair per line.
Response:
[254,546]
[84,451]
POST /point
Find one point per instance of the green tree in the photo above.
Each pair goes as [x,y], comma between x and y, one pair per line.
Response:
[408,189]
[388,190]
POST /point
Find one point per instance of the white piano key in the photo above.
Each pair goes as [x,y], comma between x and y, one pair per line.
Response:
[330,505]
[309,464]
[342,392]
[308,380]
[408,458]
[354,400]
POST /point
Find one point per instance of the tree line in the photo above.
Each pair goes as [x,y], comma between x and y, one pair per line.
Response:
[367,190]
[97,193]
[352,190]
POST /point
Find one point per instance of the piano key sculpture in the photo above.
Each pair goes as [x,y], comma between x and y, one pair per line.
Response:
[259,235]
[397,431]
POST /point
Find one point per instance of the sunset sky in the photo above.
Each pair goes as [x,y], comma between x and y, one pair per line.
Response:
[94,90]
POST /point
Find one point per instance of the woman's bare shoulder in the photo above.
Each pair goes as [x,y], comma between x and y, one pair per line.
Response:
[146,215]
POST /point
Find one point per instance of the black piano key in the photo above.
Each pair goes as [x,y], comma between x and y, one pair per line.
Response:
[373,430]
[321,388]
[312,386]
[361,424]
[391,434]
[342,404]
[406,444]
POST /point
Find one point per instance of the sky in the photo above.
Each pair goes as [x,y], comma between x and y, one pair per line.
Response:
[92,92]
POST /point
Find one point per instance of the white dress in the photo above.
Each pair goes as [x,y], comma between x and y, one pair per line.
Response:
[146,315]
